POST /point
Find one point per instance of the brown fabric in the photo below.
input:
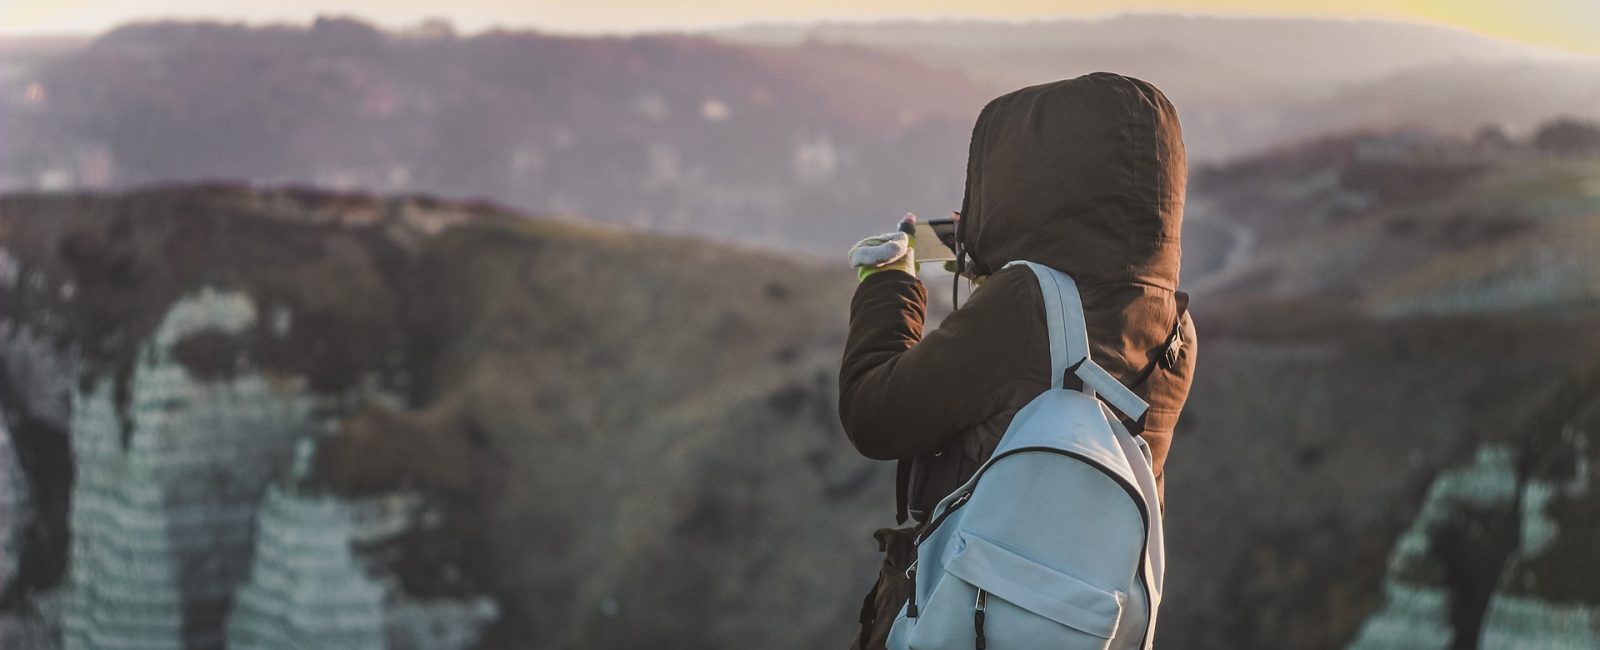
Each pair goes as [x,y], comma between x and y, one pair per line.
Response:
[893,587]
[1086,176]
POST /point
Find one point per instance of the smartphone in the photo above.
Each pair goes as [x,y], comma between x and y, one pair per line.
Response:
[936,240]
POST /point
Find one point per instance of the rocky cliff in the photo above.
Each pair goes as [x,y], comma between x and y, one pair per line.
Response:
[1390,311]
[1506,549]
[290,419]
[283,418]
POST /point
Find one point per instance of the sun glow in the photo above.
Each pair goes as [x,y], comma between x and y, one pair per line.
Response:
[1572,25]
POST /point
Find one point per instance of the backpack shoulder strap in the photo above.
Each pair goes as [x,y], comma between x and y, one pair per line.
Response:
[1069,343]
[1063,313]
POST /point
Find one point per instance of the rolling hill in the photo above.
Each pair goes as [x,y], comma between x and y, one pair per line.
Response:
[794,138]
[1244,85]
[486,427]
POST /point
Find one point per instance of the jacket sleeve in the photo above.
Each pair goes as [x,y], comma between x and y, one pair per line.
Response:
[902,394]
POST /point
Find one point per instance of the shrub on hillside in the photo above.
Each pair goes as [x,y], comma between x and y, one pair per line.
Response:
[1568,135]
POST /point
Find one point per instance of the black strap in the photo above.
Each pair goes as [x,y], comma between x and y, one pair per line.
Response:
[1168,357]
[955,281]
[869,615]
[902,491]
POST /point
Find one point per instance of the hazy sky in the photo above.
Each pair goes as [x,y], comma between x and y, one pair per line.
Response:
[1567,24]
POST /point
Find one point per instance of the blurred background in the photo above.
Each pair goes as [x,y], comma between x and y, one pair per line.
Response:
[359,324]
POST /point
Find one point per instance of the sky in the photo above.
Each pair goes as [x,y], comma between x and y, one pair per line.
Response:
[1572,25]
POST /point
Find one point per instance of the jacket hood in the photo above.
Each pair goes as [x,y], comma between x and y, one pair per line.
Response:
[1084,175]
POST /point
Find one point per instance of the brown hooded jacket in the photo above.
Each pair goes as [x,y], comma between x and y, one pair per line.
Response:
[1086,176]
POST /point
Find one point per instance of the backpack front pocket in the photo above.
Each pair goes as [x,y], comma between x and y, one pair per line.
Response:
[995,597]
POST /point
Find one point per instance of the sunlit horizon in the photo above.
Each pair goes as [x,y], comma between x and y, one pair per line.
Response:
[1565,25]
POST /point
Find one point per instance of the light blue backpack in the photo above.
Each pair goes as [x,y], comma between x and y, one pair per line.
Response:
[1056,541]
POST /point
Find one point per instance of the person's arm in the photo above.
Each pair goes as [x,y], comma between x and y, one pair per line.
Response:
[901,394]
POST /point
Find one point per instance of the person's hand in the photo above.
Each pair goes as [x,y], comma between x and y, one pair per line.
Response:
[887,251]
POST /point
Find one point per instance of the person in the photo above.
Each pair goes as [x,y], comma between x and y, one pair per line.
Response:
[1084,175]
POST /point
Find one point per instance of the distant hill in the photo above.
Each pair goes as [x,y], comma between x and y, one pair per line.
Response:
[1256,54]
[1403,223]
[1246,84]
[799,139]
[795,148]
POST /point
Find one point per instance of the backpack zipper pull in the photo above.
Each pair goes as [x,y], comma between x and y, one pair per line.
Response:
[911,574]
[977,618]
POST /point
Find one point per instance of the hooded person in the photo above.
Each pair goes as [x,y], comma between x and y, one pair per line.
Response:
[1083,175]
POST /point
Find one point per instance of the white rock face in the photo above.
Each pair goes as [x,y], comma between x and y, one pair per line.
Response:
[1513,616]
[308,590]
[41,376]
[1416,614]
[1482,500]
[1514,621]
[188,531]
[164,505]
[15,513]
[41,373]
[15,509]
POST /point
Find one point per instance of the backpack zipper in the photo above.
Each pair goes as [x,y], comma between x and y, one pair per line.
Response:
[911,571]
[978,608]
[954,506]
